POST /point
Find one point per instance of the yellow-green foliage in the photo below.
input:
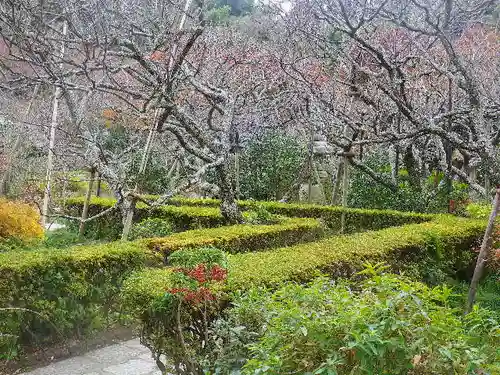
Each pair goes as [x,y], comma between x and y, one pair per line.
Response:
[401,247]
[241,238]
[180,217]
[479,211]
[76,288]
[343,255]
[190,213]
[356,218]
[19,220]
[72,290]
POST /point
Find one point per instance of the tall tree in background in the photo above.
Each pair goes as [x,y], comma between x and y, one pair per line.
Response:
[415,76]
[125,51]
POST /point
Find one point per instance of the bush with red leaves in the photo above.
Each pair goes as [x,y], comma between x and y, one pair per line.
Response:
[199,279]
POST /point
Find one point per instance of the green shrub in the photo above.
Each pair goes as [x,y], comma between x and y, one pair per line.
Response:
[401,247]
[177,326]
[240,238]
[209,256]
[270,164]
[356,219]
[488,293]
[410,249]
[110,226]
[152,227]
[431,195]
[71,291]
[259,215]
[384,325]
[60,238]
[478,211]
[189,213]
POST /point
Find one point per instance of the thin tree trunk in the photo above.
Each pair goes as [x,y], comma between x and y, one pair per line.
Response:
[131,201]
[336,186]
[130,207]
[86,204]
[483,253]
[52,139]
[237,174]
[310,165]
[128,216]
[98,188]
[395,166]
[345,188]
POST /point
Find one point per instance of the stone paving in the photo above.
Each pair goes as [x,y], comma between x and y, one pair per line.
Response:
[125,358]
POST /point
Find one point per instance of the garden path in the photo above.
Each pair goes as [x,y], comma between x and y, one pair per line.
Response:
[125,358]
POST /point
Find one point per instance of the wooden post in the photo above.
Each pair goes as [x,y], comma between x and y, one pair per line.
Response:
[483,253]
[310,164]
[345,187]
[86,204]
[237,173]
[336,185]
[98,188]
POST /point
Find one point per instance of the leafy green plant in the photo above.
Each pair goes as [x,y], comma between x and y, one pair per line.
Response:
[478,211]
[178,323]
[259,215]
[431,196]
[270,164]
[61,238]
[73,291]
[386,324]
[151,227]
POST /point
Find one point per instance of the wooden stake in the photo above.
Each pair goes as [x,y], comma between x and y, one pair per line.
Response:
[483,253]
[86,204]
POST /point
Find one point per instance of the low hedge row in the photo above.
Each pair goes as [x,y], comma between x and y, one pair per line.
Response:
[110,226]
[76,290]
[446,239]
[189,213]
[240,238]
[57,293]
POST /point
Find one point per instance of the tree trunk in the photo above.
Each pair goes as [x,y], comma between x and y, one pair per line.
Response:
[86,204]
[310,164]
[98,188]
[228,205]
[336,185]
[130,202]
[483,253]
[412,168]
[127,209]
[50,156]
[395,166]
[345,188]
[6,175]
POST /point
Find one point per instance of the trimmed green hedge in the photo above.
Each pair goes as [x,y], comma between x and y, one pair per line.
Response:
[240,238]
[72,291]
[445,239]
[356,218]
[189,213]
[76,290]
[110,226]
